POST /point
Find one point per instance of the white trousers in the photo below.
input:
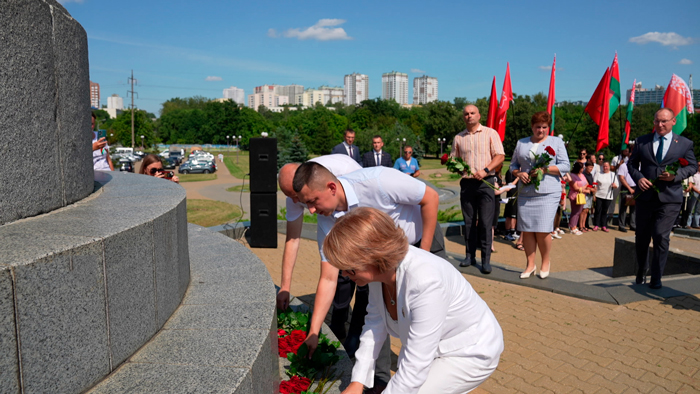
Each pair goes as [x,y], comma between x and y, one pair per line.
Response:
[457,375]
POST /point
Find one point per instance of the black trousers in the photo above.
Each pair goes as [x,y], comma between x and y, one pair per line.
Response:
[477,200]
[601,212]
[654,221]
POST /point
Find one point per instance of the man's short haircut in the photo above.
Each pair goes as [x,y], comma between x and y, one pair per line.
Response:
[377,136]
[541,117]
[669,110]
[589,164]
[351,131]
[93,115]
[365,237]
[313,175]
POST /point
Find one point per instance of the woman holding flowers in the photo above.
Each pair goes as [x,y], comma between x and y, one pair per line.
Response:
[538,161]
[451,341]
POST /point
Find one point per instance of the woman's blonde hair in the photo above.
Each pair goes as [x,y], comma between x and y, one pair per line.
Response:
[365,237]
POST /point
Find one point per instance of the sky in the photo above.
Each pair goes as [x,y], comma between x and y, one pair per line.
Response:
[186,48]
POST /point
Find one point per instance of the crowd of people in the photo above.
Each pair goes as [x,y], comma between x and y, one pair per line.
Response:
[378,238]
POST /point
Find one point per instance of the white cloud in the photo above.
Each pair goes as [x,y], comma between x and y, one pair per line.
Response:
[272,33]
[323,30]
[685,61]
[665,39]
[545,68]
[213,78]
[417,71]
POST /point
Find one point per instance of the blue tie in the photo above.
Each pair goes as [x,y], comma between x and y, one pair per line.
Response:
[660,151]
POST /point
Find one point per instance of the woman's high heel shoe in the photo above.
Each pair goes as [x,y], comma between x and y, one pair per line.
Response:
[543,274]
[526,275]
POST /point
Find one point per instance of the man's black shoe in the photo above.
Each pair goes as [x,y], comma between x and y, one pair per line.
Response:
[486,268]
[467,261]
[641,278]
[624,230]
[655,286]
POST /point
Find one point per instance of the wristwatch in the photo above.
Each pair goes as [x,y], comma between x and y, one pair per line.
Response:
[487,170]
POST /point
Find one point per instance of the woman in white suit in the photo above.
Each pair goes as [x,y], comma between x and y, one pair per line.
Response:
[451,339]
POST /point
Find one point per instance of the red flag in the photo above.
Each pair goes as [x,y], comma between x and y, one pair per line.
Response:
[506,98]
[493,106]
[550,97]
[679,99]
[598,109]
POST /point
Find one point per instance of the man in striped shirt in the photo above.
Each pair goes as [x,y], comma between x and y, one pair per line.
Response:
[481,148]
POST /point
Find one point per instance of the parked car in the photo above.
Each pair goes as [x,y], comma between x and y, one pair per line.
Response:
[195,166]
[126,165]
[170,163]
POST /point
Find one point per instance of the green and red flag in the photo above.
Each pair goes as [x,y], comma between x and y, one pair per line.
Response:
[598,109]
[493,106]
[628,122]
[506,98]
[614,87]
[679,99]
[550,97]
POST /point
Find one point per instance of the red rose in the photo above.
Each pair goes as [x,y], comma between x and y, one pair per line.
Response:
[281,333]
[295,339]
[443,159]
[294,385]
[550,151]
[683,162]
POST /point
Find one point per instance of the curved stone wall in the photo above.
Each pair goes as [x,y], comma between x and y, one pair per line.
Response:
[84,287]
[44,109]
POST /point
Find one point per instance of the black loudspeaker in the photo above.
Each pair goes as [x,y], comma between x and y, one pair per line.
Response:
[263,165]
[263,220]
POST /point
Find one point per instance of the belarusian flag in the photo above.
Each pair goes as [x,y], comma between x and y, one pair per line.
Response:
[598,109]
[679,100]
[614,86]
[628,122]
[493,105]
[506,98]
[550,97]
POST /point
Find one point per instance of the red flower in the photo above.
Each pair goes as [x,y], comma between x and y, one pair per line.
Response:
[281,333]
[443,159]
[683,162]
[550,151]
[295,385]
[290,343]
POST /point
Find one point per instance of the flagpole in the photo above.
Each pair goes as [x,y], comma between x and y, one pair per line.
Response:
[575,127]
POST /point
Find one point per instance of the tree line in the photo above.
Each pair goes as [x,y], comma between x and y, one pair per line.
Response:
[315,130]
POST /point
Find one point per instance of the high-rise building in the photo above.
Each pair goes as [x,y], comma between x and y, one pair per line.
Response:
[116,102]
[334,94]
[290,91]
[310,97]
[645,96]
[268,99]
[356,88]
[425,89]
[395,86]
[235,94]
[94,95]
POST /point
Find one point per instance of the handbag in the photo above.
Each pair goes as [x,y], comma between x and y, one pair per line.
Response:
[580,199]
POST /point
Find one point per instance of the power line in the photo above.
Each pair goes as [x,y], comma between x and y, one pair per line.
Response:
[132,81]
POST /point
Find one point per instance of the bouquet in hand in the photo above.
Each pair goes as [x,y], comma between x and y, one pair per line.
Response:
[540,162]
[671,169]
[458,166]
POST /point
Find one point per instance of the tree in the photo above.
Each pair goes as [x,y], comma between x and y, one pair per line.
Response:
[143,126]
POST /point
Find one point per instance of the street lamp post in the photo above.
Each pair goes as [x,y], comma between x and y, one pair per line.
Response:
[142,143]
[228,147]
[441,141]
[239,146]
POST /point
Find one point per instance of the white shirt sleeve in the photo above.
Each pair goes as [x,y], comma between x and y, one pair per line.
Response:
[401,190]
[294,210]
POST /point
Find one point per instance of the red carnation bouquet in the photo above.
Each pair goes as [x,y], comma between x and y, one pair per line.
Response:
[458,166]
[540,162]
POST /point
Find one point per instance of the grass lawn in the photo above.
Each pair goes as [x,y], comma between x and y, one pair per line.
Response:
[209,213]
[239,188]
[196,177]
[239,169]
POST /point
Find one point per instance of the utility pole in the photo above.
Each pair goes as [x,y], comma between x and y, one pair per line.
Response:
[132,81]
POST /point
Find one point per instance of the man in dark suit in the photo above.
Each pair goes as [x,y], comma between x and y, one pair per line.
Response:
[658,210]
[376,157]
[347,148]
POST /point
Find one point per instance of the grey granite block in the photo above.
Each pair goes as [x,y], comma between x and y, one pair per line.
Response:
[183,253]
[167,379]
[245,291]
[166,266]
[9,362]
[73,113]
[625,257]
[222,348]
[27,103]
[265,369]
[237,315]
[206,252]
[62,321]
[30,240]
[130,290]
